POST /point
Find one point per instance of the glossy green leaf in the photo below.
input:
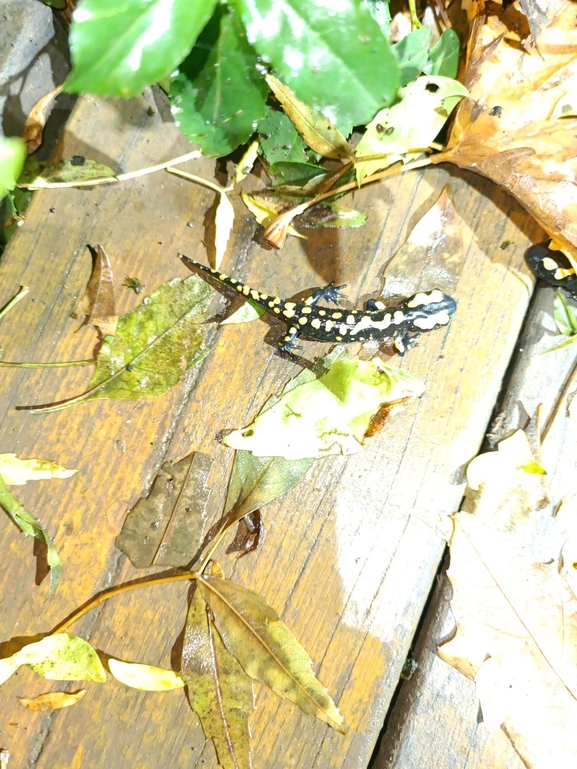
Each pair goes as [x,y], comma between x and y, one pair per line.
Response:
[16,471]
[296,174]
[329,415]
[381,13]
[564,315]
[219,691]
[145,677]
[154,346]
[265,647]
[27,523]
[59,657]
[219,95]
[411,124]
[412,53]
[12,157]
[444,55]
[336,60]
[118,48]
[280,140]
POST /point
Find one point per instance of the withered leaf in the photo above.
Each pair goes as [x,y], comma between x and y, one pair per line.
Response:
[166,528]
[36,120]
[70,171]
[267,650]
[53,700]
[219,691]
[248,535]
[432,255]
[98,303]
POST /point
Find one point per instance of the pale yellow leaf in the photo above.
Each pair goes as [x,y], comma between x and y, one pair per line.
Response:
[52,700]
[16,472]
[145,677]
[223,223]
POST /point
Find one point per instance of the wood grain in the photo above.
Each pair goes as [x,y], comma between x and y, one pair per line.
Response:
[349,555]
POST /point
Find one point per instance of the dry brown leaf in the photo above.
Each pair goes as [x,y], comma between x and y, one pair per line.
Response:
[515,611]
[98,303]
[506,130]
[36,120]
[53,700]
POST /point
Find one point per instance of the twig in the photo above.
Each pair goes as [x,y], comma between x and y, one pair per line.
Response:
[561,400]
[60,364]
[199,180]
[113,179]
[104,595]
[15,299]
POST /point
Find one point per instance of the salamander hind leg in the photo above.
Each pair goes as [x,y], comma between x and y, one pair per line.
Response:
[330,293]
[286,344]
[373,305]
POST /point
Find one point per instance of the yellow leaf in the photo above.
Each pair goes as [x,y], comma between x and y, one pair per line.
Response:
[52,700]
[145,677]
[16,472]
[59,657]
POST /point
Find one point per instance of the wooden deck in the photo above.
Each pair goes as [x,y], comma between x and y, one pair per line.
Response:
[350,556]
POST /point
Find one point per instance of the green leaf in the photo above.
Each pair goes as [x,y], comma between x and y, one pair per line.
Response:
[265,647]
[154,346]
[59,657]
[444,55]
[16,472]
[564,315]
[338,61]
[27,523]
[333,215]
[219,691]
[12,157]
[329,415]
[118,48]
[280,140]
[296,174]
[317,131]
[219,95]
[412,53]
[514,455]
[411,124]
[247,312]
[381,13]
[66,171]
[145,677]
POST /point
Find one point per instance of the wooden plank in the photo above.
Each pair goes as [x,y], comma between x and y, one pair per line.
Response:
[349,555]
[456,736]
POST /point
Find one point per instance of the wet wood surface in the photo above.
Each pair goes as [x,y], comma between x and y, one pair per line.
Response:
[349,556]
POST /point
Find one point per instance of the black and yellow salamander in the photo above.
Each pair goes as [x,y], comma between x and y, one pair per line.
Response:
[425,311]
[553,268]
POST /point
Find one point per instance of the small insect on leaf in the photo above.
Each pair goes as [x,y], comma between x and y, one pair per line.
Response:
[145,677]
[53,700]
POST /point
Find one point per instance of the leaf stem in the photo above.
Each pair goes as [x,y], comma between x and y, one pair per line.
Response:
[59,364]
[199,180]
[15,299]
[104,595]
[112,179]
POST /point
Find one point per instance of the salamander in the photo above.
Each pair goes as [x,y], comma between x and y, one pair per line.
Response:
[553,268]
[403,323]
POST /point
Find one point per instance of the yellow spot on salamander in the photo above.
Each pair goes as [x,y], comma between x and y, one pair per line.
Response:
[315,323]
[550,264]
[271,305]
[246,290]
[290,305]
[277,310]
[264,296]
[307,310]
[293,330]
[339,338]
[322,312]
[288,313]
[222,276]
[255,294]
[239,288]
[303,321]
[350,319]
[329,325]
[438,319]
[337,315]
[343,328]
[276,300]
[399,317]
[421,298]
[380,305]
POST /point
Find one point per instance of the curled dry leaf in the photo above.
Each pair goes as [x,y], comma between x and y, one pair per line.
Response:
[52,700]
[145,677]
[265,209]
[317,131]
[166,528]
[36,120]
[98,303]
[219,691]
[507,130]
[267,650]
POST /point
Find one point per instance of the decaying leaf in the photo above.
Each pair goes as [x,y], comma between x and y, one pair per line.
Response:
[248,535]
[326,416]
[27,523]
[516,613]
[332,215]
[36,120]
[16,472]
[154,346]
[506,130]
[432,255]
[317,131]
[219,691]
[246,312]
[145,677]
[52,700]
[265,209]
[267,650]
[59,657]
[166,528]
[223,223]
[98,303]
[411,124]
[71,171]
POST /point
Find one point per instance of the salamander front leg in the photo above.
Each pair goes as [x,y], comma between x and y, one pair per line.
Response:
[287,344]
[404,342]
[330,293]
